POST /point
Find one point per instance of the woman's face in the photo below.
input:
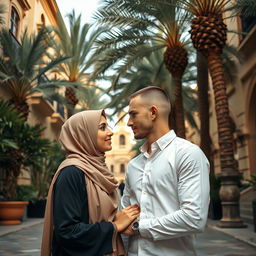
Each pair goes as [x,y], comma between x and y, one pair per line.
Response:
[104,136]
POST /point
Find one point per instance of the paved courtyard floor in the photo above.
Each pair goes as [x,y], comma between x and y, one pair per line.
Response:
[26,242]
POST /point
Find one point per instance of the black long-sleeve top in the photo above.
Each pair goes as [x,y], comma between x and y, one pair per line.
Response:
[73,235]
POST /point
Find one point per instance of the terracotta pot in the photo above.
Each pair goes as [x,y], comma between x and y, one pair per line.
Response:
[11,212]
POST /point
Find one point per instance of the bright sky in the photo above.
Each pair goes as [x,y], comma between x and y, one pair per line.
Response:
[85,7]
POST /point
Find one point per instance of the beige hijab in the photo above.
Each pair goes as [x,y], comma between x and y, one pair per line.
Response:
[79,138]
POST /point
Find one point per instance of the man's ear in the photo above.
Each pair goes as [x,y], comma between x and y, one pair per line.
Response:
[154,112]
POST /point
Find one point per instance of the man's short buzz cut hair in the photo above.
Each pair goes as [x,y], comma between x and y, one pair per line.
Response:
[148,90]
[157,95]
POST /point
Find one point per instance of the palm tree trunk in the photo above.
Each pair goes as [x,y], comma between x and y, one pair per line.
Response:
[178,106]
[172,118]
[205,138]
[203,103]
[10,185]
[227,160]
[229,192]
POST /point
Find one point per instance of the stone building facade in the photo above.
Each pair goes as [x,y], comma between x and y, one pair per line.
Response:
[32,15]
[121,153]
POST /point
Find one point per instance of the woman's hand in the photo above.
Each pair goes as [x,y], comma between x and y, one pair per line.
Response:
[126,216]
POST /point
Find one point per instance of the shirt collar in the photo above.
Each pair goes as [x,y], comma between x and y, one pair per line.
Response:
[161,143]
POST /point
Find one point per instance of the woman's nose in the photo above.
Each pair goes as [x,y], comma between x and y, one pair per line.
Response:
[110,133]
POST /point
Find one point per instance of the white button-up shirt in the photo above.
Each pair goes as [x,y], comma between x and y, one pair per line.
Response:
[171,186]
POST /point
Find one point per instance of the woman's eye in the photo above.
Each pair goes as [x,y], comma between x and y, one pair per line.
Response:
[102,128]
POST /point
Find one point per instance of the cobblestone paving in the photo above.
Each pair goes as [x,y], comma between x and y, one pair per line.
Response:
[26,242]
[215,243]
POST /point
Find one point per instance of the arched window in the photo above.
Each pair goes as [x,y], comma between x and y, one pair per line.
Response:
[121,140]
[122,168]
[14,22]
[112,168]
[42,19]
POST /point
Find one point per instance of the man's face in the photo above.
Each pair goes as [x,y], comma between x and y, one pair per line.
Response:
[140,118]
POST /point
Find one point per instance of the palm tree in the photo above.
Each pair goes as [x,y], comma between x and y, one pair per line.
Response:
[77,44]
[151,71]
[22,65]
[203,105]
[91,97]
[133,24]
[208,34]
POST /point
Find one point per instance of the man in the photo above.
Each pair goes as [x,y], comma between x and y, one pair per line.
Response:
[169,180]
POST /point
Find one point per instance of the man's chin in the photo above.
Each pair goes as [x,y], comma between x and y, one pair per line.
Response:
[138,136]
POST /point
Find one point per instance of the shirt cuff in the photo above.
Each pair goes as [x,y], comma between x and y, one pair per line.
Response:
[144,225]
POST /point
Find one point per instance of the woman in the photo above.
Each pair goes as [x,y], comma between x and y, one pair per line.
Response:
[81,215]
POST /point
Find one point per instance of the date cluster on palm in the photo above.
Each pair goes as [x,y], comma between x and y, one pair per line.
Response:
[71,96]
[208,34]
[176,60]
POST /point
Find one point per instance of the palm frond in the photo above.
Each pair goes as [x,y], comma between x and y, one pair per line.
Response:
[243,8]
[23,63]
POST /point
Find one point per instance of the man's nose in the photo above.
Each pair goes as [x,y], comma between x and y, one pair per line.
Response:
[129,123]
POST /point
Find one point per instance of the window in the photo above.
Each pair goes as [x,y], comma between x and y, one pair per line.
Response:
[42,20]
[122,168]
[112,168]
[122,140]
[14,22]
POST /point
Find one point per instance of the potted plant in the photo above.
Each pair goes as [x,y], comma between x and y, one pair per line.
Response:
[21,145]
[41,177]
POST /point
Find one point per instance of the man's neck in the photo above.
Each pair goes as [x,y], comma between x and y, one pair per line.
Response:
[153,137]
